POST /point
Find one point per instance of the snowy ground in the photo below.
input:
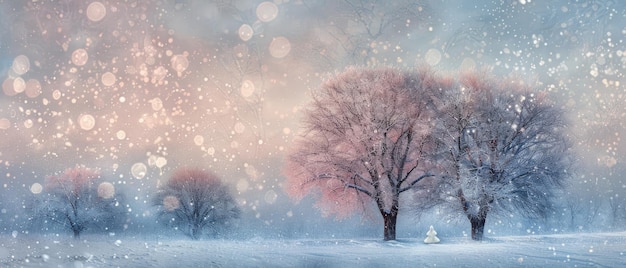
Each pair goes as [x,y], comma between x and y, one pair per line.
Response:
[569,250]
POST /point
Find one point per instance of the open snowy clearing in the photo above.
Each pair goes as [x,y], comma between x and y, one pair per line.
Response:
[567,250]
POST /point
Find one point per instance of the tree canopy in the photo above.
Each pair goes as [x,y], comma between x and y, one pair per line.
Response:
[196,201]
[365,140]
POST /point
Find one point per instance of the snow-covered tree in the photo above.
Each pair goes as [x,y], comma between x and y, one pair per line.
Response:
[79,199]
[194,201]
[365,141]
[503,148]
[617,210]
[431,236]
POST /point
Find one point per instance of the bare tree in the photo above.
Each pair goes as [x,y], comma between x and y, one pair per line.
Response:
[195,201]
[503,148]
[617,210]
[79,199]
[365,140]
[584,209]
[361,31]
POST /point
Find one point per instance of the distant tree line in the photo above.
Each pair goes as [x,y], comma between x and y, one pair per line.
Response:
[193,201]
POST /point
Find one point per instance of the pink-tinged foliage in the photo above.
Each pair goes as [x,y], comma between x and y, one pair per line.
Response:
[193,178]
[72,180]
[75,200]
[106,190]
[195,201]
[365,142]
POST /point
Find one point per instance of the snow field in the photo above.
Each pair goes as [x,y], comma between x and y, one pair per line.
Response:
[563,250]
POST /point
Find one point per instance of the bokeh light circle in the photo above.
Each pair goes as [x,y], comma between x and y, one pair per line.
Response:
[86,121]
[80,57]
[160,162]
[242,185]
[21,65]
[245,32]
[156,103]
[270,197]
[96,11]
[433,56]
[19,85]
[180,63]
[198,140]
[36,188]
[280,47]
[33,88]
[121,134]
[106,190]
[267,11]
[239,127]
[7,87]
[5,123]
[108,79]
[247,88]
[139,170]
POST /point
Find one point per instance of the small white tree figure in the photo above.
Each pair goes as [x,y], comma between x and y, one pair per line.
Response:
[431,237]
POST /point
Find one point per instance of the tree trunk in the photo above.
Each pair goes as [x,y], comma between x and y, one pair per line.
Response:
[76,233]
[76,228]
[195,232]
[476,220]
[390,220]
[478,227]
